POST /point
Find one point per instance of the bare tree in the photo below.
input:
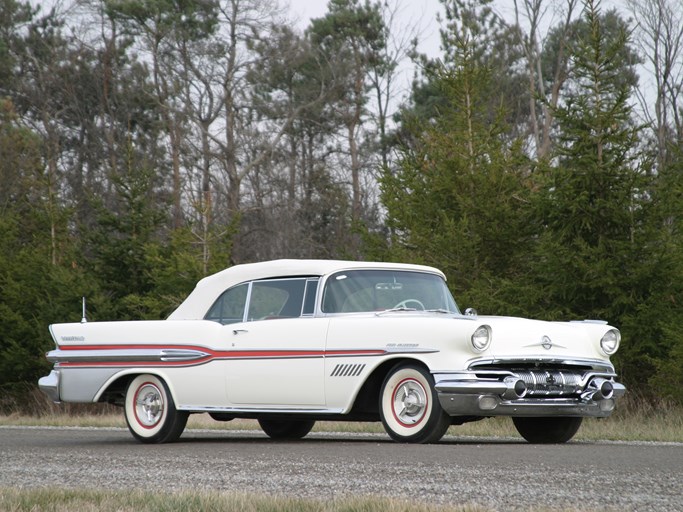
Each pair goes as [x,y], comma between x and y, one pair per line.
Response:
[156,25]
[44,61]
[353,37]
[535,13]
[235,141]
[659,33]
[246,142]
[399,42]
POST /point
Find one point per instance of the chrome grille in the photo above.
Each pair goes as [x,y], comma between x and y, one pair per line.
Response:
[550,382]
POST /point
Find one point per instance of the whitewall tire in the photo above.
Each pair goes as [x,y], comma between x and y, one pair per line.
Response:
[150,411]
[409,406]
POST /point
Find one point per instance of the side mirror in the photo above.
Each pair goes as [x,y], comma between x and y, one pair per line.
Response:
[470,312]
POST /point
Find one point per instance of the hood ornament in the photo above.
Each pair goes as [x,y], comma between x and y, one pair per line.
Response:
[546,343]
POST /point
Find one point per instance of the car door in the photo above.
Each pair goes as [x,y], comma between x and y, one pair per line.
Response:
[276,353]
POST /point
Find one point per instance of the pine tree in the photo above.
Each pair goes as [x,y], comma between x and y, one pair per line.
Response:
[458,200]
[594,192]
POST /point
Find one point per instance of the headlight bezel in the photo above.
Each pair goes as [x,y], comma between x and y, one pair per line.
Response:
[610,341]
[480,340]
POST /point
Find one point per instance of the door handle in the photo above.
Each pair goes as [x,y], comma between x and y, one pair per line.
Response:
[238,331]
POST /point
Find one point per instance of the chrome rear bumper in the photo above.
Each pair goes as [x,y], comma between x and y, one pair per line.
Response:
[50,385]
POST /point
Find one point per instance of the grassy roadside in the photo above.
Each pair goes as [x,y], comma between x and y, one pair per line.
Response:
[59,500]
[634,420]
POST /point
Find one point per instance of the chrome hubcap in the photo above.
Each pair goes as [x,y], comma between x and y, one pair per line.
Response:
[149,405]
[410,401]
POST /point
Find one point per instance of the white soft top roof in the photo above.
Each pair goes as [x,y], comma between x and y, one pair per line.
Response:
[208,289]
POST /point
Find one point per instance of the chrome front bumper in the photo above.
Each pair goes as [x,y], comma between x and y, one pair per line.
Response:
[466,394]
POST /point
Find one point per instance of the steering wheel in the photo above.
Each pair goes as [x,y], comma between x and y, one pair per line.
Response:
[404,304]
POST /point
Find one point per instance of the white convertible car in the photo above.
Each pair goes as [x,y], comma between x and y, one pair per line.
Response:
[292,342]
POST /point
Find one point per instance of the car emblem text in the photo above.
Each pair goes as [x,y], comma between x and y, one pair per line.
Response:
[73,338]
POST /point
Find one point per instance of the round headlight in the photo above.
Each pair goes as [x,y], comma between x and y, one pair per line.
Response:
[610,341]
[481,338]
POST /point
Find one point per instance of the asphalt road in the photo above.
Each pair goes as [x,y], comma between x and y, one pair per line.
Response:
[501,474]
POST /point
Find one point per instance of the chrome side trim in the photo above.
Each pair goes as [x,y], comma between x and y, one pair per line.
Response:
[252,410]
[120,356]
[390,349]
[170,354]
[198,356]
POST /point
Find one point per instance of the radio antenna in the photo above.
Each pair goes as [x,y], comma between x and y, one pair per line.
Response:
[84,320]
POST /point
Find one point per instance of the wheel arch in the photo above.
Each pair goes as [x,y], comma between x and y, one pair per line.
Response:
[367,399]
[113,391]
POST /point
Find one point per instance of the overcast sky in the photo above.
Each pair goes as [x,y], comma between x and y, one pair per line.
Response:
[420,13]
[414,16]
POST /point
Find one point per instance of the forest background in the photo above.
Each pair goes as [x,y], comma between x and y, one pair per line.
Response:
[147,143]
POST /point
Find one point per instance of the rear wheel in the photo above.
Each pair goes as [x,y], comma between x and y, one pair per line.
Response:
[150,411]
[410,408]
[286,429]
[547,430]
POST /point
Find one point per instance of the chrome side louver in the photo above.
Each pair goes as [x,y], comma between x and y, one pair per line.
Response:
[347,370]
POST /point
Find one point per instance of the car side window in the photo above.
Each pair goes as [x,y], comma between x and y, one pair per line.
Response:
[229,308]
[278,298]
[309,297]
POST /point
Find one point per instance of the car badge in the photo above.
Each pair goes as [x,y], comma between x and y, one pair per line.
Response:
[546,343]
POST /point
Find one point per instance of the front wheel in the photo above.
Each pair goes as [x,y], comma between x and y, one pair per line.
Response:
[410,408]
[150,411]
[551,430]
[286,429]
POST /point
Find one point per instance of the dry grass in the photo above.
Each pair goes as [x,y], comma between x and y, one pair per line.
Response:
[638,419]
[60,500]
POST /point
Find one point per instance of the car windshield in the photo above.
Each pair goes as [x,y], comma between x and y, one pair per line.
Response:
[356,291]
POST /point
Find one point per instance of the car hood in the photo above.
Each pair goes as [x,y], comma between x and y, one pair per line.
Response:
[525,338]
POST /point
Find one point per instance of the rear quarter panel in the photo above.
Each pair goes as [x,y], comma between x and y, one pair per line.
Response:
[201,382]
